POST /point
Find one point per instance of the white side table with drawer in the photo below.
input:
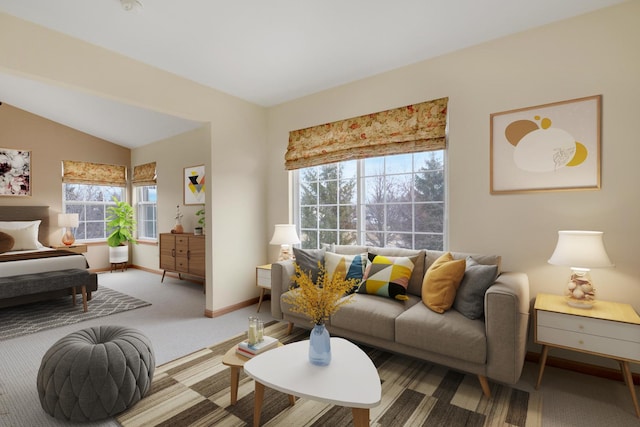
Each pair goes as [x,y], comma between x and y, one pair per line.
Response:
[263,280]
[608,329]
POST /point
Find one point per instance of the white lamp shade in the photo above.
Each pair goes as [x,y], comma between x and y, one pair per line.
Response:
[284,234]
[580,249]
[68,220]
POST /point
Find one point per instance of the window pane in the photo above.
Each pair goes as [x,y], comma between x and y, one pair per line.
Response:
[384,201]
[90,203]
[328,217]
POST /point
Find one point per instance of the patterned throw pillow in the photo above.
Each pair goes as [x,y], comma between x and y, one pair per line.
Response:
[388,276]
[441,282]
[347,266]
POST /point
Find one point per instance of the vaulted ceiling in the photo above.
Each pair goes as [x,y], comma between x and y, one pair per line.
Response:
[265,52]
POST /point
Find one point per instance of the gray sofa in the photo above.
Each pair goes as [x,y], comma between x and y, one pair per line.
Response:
[491,347]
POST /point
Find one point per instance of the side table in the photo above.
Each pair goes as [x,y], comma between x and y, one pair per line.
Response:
[79,249]
[236,362]
[609,329]
[263,281]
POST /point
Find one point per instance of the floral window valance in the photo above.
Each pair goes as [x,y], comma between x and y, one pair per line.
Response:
[144,174]
[409,129]
[93,173]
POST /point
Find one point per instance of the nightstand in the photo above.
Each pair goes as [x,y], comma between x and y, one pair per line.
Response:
[263,280]
[609,329]
[79,249]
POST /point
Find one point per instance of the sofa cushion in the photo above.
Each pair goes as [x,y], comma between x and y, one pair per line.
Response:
[449,334]
[308,259]
[470,296]
[371,315]
[441,282]
[347,266]
[432,255]
[387,276]
[6,242]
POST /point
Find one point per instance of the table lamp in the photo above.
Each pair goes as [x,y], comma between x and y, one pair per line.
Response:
[68,221]
[581,251]
[284,235]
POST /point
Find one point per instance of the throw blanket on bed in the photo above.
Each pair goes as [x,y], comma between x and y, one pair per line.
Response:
[36,255]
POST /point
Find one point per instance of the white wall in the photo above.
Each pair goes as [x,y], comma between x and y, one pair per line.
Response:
[593,54]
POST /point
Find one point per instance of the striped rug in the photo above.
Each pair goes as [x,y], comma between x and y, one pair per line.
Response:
[194,391]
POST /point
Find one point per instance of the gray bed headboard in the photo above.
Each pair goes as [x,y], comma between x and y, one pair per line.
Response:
[29,213]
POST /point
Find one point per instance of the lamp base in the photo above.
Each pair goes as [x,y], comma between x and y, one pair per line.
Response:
[67,238]
[580,292]
[285,253]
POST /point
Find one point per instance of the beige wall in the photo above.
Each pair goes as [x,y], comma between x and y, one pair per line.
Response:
[237,141]
[51,143]
[588,55]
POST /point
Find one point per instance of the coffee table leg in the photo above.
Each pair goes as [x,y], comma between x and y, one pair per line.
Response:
[360,417]
[235,379]
[257,408]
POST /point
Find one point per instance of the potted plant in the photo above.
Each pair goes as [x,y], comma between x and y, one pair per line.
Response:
[121,222]
[201,218]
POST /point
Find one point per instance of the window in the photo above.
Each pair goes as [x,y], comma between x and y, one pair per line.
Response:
[147,197]
[395,201]
[90,202]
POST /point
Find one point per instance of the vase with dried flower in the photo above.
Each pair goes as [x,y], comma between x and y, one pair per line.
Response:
[318,301]
[178,229]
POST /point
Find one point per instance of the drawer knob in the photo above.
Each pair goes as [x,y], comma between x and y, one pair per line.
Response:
[581,342]
[581,326]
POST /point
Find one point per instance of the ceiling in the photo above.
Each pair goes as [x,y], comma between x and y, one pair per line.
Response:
[264,51]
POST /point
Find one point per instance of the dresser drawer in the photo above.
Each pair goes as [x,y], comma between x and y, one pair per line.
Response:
[589,343]
[590,326]
[263,278]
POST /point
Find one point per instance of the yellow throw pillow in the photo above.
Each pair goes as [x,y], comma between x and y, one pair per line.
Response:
[441,282]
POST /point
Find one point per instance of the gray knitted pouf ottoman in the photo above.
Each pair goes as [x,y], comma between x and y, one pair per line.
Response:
[95,373]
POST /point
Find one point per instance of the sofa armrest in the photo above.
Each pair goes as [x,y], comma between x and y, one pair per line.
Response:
[281,274]
[506,307]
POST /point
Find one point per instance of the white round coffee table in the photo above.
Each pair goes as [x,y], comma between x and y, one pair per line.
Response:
[350,380]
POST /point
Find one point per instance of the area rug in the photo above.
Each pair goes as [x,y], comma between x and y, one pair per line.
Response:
[194,391]
[29,318]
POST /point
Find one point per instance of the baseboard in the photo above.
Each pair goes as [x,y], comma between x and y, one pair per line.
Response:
[581,367]
[229,309]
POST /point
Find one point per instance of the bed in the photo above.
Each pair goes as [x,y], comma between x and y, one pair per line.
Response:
[29,229]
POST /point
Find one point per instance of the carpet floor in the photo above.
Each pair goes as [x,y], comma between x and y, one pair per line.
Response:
[29,318]
[194,390]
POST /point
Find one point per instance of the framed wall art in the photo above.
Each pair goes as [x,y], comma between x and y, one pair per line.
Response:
[15,172]
[551,147]
[194,185]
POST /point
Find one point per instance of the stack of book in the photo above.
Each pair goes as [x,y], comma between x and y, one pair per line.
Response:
[250,350]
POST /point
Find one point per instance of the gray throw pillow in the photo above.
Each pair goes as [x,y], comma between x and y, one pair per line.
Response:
[308,260]
[477,279]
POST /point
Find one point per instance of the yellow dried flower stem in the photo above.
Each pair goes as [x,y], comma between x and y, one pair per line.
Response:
[321,300]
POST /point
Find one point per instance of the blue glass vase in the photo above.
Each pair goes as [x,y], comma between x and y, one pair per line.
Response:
[319,346]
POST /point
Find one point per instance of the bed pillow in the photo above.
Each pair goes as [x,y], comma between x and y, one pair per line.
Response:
[308,259]
[470,296]
[6,242]
[388,276]
[347,266]
[25,237]
[441,282]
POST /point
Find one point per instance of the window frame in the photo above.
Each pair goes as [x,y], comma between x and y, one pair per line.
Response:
[361,231]
[139,203]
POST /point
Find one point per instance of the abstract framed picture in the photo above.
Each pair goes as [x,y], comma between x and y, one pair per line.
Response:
[15,172]
[194,185]
[551,147]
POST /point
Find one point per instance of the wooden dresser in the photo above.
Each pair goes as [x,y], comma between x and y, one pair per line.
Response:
[183,254]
